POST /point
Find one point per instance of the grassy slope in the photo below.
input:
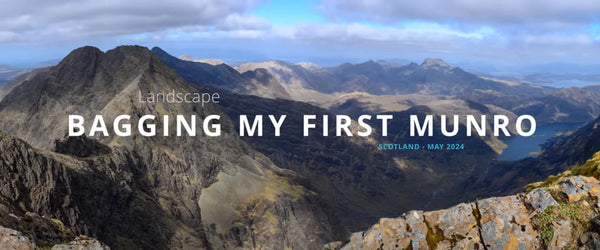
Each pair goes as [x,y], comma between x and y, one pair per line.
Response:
[590,168]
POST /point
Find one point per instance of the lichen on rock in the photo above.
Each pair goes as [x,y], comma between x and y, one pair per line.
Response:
[537,219]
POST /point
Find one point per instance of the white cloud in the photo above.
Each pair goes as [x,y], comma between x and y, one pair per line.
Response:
[246,22]
[538,13]
[512,29]
[490,28]
[46,21]
[559,40]
[357,31]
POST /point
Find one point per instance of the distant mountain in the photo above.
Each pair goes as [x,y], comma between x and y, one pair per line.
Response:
[330,87]
[565,105]
[433,76]
[145,192]
[224,77]
[213,62]
[301,82]
[563,79]
[431,80]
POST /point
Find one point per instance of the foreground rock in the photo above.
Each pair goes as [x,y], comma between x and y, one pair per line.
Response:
[36,232]
[82,243]
[13,239]
[555,217]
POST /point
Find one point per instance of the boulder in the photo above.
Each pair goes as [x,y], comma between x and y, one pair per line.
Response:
[506,223]
[539,199]
[454,227]
[576,188]
[563,236]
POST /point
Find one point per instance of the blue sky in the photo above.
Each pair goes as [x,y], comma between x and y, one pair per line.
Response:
[488,35]
[288,13]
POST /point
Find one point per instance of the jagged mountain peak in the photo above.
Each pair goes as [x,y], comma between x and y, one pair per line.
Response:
[120,55]
[91,51]
[370,64]
[84,51]
[179,169]
[81,58]
[86,82]
[130,50]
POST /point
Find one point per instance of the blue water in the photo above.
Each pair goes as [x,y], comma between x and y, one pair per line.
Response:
[520,147]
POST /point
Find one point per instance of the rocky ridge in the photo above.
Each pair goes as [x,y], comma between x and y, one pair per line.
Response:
[559,213]
[144,192]
[534,220]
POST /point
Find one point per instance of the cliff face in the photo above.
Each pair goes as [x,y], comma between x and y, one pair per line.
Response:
[117,199]
[557,214]
[105,196]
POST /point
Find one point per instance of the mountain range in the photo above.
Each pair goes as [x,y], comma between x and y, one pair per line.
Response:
[383,87]
[268,192]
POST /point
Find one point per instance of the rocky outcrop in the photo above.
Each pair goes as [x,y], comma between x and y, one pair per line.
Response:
[82,243]
[553,217]
[36,232]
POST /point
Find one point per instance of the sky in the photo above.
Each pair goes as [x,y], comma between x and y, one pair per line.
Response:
[486,35]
